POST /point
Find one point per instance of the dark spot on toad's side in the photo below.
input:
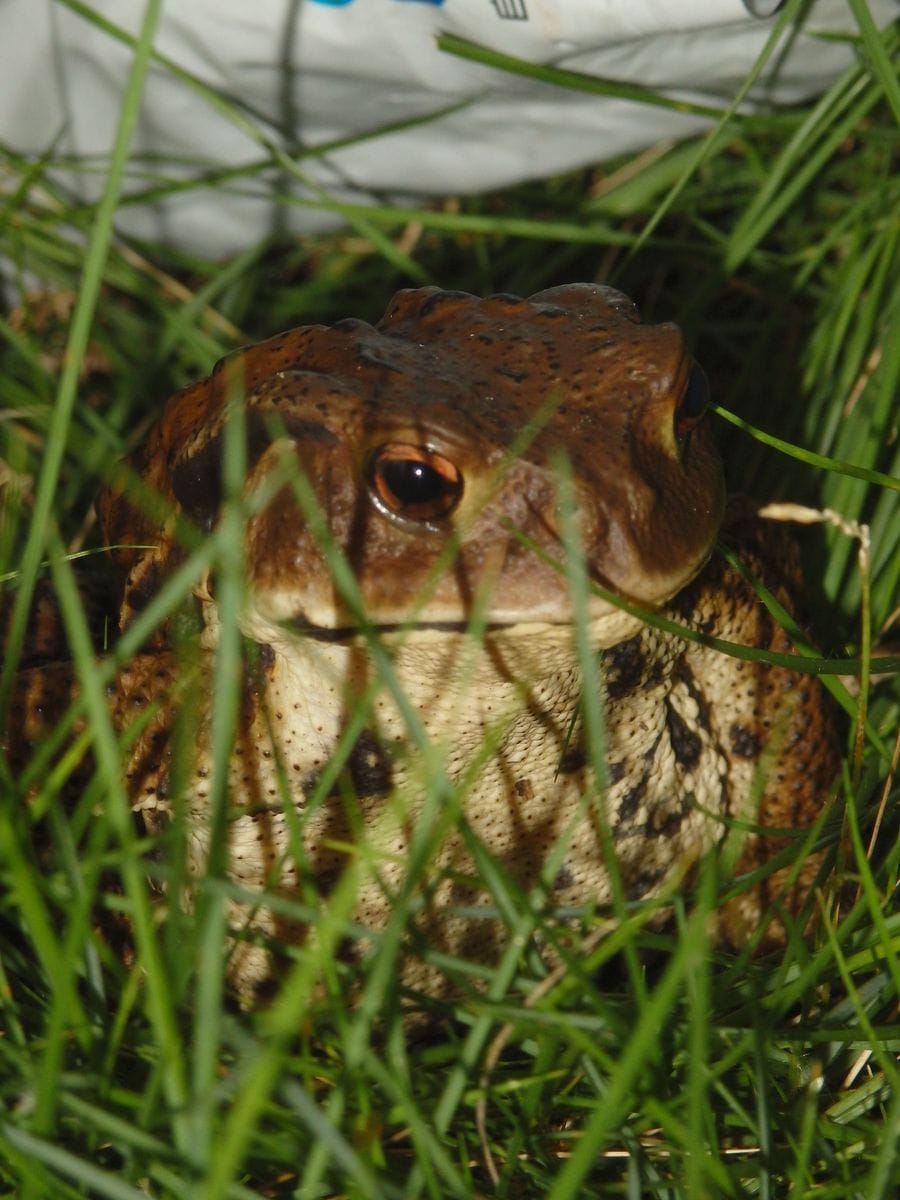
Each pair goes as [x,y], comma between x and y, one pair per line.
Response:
[630,801]
[265,989]
[623,668]
[615,772]
[524,789]
[564,879]
[462,893]
[686,743]
[745,742]
[370,766]
[665,822]
[349,951]
[656,673]
[572,760]
[326,878]
[645,882]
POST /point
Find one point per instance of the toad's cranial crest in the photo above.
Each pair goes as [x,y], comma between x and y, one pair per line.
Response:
[431,445]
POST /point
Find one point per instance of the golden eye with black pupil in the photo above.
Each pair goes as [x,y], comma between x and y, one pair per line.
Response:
[692,404]
[413,482]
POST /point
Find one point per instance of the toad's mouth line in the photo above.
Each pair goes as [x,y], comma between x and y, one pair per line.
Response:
[607,615]
[322,633]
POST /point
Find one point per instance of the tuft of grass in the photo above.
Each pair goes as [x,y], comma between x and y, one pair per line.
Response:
[652,1065]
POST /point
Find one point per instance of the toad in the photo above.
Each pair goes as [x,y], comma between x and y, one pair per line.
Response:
[412,696]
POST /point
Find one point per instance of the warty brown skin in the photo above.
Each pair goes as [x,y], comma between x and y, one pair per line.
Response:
[492,392]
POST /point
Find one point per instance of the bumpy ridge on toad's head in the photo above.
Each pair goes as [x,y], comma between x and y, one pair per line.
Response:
[446,418]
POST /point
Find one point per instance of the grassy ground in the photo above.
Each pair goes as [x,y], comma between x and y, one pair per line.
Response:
[655,1067]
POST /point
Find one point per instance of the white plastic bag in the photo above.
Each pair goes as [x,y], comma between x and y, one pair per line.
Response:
[308,72]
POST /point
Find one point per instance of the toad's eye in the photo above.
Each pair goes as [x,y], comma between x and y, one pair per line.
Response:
[414,482]
[693,403]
